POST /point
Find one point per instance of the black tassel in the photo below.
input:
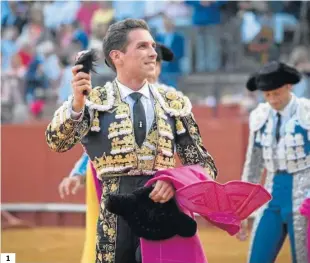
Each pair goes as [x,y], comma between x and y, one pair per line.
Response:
[88,60]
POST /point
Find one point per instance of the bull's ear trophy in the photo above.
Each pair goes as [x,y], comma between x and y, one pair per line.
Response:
[88,59]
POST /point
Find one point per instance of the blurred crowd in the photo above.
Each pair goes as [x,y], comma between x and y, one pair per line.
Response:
[40,40]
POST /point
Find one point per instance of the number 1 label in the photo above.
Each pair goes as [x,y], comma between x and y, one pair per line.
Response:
[8,257]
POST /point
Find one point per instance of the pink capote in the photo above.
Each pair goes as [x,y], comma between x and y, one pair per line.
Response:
[305,211]
[224,205]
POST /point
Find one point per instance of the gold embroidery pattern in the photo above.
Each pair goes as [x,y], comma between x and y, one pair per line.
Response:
[164,129]
[126,156]
[62,136]
[107,226]
[146,154]
[189,154]
[190,147]
[98,96]
[164,162]
[100,99]
[124,145]
[165,146]
[162,125]
[157,151]
[122,156]
[114,164]
[172,95]
[176,105]
[179,126]
[96,124]
[122,128]
[165,152]
[122,111]
[152,136]
[173,102]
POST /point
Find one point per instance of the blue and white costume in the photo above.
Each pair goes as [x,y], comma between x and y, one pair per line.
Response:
[287,161]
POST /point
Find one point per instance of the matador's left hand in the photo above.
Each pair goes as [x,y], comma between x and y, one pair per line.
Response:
[162,192]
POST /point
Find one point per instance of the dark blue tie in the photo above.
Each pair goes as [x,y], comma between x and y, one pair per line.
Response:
[139,120]
[278,126]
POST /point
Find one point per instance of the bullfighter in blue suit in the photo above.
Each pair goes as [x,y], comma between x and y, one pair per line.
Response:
[279,142]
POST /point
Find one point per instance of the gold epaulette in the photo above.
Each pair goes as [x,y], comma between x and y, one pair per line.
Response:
[101,98]
[174,102]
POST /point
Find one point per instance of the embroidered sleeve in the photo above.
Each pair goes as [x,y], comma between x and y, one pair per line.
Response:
[63,132]
[253,166]
[189,145]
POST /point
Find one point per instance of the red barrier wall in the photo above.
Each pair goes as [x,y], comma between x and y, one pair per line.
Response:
[31,172]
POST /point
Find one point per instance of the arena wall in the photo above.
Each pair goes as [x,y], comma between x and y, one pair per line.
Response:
[31,172]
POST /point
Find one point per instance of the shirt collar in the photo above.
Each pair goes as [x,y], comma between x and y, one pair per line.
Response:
[125,91]
[289,108]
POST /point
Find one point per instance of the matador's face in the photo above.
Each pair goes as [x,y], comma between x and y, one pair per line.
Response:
[139,58]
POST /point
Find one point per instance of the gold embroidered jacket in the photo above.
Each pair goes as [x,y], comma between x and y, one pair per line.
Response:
[106,132]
